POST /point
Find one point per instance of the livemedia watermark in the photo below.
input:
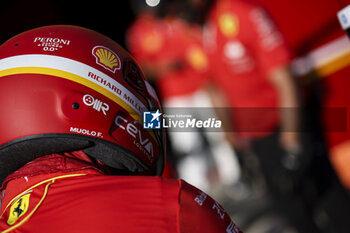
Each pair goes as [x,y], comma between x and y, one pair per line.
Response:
[332,119]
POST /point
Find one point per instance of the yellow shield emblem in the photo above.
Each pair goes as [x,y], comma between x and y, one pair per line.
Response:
[197,58]
[106,58]
[18,208]
[228,24]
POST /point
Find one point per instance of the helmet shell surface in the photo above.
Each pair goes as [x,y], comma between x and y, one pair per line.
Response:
[74,83]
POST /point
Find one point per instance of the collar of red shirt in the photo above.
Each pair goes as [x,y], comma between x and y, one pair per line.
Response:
[57,163]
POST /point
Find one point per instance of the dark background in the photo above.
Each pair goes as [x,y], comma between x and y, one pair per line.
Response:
[305,24]
[107,17]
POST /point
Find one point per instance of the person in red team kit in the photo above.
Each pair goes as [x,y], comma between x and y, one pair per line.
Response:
[249,59]
[250,62]
[74,156]
[170,51]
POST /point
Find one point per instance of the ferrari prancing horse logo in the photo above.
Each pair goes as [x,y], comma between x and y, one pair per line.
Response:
[18,208]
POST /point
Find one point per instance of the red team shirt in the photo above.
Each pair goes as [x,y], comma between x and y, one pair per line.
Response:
[67,195]
[243,46]
[154,41]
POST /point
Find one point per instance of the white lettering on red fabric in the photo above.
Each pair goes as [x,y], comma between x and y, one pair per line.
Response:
[232,228]
[220,209]
[200,198]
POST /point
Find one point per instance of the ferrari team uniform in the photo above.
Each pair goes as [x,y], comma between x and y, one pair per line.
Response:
[243,46]
[170,40]
[159,42]
[59,193]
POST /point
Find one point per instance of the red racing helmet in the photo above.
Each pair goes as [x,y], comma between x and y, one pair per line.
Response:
[66,88]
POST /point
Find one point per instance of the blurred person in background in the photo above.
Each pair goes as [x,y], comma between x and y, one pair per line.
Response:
[167,42]
[249,63]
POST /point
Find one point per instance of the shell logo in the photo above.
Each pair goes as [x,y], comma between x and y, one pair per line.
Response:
[106,58]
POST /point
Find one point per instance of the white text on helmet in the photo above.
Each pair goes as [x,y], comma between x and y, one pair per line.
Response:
[86,132]
[141,142]
[51,40]
[96,104]
[103,81]
[50,44]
